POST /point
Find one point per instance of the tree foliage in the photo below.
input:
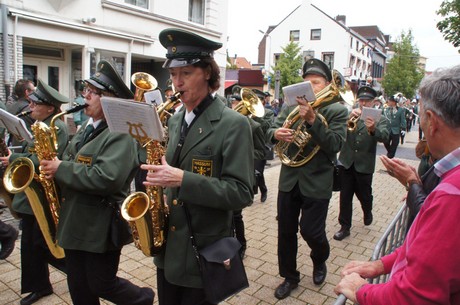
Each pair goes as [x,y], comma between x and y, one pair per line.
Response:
[402,71]
[289,64]
[450,25]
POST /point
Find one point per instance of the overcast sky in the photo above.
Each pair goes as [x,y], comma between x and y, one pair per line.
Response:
[247,17]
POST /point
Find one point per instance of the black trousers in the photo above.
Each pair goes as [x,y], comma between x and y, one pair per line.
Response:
[259,166]
[170,294]
[312,223]
[354,183]
[392,145]
[92,276]
[239,227]
[35,257]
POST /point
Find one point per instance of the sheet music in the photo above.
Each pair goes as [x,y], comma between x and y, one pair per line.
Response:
[153,97]
[368,112]
[303,89]
[140,120]
[15,126]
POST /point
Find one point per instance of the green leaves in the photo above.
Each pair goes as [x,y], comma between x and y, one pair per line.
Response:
[450,25]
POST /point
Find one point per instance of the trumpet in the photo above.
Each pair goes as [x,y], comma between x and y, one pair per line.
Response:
[352,123]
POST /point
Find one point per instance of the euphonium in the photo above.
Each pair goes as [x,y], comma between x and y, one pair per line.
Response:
[353,123]
[295,154]
[42,193]
[143,82]
[147,212]
[250,104]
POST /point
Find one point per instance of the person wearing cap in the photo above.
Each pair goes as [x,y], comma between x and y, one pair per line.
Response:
[45,102]
[306,190]
[208,167]
[358,160]
[94,174]
[259,164]
[396,117]
[258,139]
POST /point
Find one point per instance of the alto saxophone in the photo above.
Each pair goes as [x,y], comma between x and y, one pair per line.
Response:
[42,193]
[147,213]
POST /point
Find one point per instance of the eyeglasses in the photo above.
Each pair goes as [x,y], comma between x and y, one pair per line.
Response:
[87,91]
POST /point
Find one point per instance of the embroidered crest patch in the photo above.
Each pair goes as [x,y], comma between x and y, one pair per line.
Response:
[84,159]
[202,167]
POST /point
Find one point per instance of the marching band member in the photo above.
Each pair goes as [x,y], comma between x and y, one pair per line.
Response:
[305,191]
[45,102]
[96,169]
[208,166]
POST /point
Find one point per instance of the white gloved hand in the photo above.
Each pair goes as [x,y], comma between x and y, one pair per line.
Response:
[403,133]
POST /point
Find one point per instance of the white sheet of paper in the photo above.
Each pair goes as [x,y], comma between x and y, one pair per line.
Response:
[153,97]
[140,120]
[372,113]
[15,126]
[303,89]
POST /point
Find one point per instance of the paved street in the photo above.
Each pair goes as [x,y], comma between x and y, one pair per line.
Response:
[261,258]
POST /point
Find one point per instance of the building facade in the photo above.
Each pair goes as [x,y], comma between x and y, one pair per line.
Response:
[61,41]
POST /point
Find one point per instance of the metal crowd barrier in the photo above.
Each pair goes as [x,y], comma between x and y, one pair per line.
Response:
[392,238]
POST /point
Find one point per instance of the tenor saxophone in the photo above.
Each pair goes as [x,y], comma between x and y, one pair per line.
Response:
[42,193]
[147,213]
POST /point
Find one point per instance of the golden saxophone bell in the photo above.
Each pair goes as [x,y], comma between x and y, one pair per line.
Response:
[143,82]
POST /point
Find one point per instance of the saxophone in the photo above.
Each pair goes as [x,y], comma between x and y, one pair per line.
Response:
[147,213]
[42,193]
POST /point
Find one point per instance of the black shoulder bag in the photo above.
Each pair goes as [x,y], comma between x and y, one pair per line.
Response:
[120,230]
[221,266]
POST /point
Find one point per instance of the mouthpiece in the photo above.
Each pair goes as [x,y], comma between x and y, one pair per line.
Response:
[24,113]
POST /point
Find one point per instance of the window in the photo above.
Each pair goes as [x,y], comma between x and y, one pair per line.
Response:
[308,54]
[357,46]
[328,59]
[351,42]
[196,11]
[139,3]
[294,35]
[315,34]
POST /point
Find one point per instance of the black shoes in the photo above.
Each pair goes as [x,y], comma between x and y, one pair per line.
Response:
[319,274]
[342,234]
[368,218]
[8,244]
[263,196]
[284,289]
[35,296]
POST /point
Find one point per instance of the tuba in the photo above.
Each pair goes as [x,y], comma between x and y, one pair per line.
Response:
[294,154]
[42,193]
[147,213]
[143,82]
[250,104]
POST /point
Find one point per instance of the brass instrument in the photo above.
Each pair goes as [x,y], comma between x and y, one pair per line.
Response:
[42,193]
[352,123]
[250,104]
[147,213]
[143,82]
[293,153]
[24,113]
[6,196]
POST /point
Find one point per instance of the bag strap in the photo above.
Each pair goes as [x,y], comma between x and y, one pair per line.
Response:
[192,237]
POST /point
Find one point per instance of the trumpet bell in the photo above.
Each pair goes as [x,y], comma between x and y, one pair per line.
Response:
[250,104]
[143,82]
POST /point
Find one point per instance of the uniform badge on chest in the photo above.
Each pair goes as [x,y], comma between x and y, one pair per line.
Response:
[84,159]
[202,167]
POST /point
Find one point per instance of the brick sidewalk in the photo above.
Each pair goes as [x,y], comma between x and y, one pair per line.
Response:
[261,259]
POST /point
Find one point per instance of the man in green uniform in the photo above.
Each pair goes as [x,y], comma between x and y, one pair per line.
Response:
[358,159]
[305,190]
[208,168]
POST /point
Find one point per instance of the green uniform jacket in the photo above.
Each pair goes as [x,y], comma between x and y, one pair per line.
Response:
[397,121]
[315,176]
[20,201]
[360,147]
[102,168]
[217,159]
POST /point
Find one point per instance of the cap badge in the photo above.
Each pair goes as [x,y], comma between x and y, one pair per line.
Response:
[170,38]
[173,49]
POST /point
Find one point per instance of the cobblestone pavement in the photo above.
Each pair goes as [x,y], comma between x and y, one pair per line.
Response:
[261,259]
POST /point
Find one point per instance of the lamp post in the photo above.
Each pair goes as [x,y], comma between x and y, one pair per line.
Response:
[267,58]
